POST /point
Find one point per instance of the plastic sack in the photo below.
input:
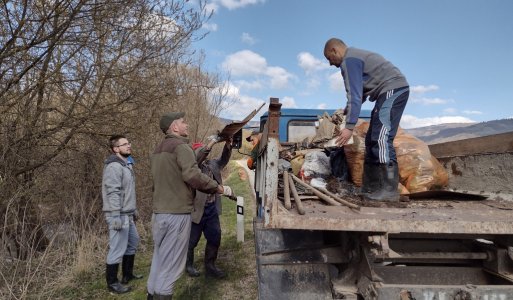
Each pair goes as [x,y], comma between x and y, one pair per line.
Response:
[316,165]
[355,153]
[418,169]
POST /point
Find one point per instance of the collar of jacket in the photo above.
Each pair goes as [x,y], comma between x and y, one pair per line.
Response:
[114,158]
[174,136]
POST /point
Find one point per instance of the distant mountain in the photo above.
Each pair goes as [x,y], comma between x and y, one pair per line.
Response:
[457,131]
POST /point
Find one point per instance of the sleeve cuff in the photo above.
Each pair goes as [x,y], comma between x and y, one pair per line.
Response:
[350,126]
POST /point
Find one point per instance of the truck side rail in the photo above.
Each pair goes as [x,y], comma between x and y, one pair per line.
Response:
[479,165]
[266,179]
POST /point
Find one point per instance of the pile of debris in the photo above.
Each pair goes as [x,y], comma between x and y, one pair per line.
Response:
[317,169]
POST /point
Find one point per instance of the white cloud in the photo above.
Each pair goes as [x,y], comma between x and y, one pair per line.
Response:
[336,81]
[239,105]
[310,64]
[233,91]
[249,63]
[279,77]
[472,112]
[322,106]
[409,121]
[431,101]
[211,7]
[449,111]
[210,26]
[235,4]
[246,38]
[421,89]
[245,62]
[313,83]
[288,102]
[250,85]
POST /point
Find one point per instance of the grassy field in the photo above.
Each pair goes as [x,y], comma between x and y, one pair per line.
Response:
[236,259]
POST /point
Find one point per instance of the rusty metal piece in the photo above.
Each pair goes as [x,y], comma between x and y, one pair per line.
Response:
[274,117]
[315,191]
[380,247]
[230,129]
[405,295]
[342,201]
[299,205]
[286,190]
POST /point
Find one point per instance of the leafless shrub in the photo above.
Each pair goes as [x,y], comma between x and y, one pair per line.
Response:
[73,72]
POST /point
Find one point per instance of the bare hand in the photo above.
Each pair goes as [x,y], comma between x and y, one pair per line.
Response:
[344,136]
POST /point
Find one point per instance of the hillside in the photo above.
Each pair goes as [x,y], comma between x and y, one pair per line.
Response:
[458,131]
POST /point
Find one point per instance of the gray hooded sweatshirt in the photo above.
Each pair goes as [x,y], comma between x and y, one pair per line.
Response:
[118,186]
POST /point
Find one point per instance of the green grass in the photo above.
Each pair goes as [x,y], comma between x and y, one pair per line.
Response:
[236,259]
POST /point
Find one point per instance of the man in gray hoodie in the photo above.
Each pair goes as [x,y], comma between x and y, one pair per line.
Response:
[368,75]
[119,206]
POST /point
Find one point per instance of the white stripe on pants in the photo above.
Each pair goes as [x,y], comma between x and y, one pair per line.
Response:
[171,234]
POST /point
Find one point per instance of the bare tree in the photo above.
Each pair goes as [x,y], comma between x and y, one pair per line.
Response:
[73,72]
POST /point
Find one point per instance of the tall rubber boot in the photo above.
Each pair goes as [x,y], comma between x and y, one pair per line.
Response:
[127,268]
[111,274]
[189,265]
[210,258]
[371,180]
[390,177]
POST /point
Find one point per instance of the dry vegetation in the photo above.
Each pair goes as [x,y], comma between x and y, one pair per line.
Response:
[73,72]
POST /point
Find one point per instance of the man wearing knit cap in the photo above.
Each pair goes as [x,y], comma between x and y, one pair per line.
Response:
[176,176]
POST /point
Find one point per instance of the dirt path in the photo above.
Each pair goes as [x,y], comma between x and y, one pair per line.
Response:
[251,174]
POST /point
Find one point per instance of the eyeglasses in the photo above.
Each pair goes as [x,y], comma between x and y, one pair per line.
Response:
[125,144]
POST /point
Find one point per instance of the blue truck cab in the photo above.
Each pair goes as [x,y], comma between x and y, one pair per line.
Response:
[298,123]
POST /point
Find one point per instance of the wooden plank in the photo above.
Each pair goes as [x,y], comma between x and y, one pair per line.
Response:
[476,218]
[497,143]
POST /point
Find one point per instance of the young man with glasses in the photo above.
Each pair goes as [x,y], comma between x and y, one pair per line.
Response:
[119,206]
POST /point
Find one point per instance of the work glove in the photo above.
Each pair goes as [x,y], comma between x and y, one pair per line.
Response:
[227,191]
[214,139]
[116,222]
[135,216]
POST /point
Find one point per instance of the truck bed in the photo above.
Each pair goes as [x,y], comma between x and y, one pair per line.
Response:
[443,244]
[420,216]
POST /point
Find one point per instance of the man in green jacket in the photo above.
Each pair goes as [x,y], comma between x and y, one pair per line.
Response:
[176,176]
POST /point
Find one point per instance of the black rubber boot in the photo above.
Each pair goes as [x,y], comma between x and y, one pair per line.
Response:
[111,274]
[371,180]
[128,269]
[390,178]
[191,270]
[210,258]
[149,296]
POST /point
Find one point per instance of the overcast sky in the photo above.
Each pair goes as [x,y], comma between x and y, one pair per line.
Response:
[456,55]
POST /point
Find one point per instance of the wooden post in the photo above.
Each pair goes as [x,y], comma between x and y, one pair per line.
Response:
[299,204]
[286,190]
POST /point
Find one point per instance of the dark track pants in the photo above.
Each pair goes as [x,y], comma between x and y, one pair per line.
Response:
[387,112]
[209,226]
